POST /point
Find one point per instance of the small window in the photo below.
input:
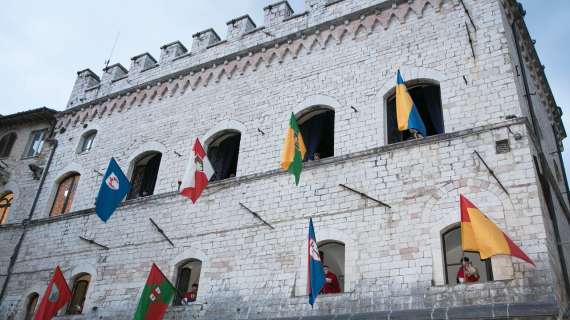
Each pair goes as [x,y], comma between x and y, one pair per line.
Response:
[31,304]
[78,294]
[64,195]
[144,175]
[187,282]
[317,129]
[454,255]
[5,204]
[332,256]
[427,99]
[86,141]
[223,154]
[6,144]
[35,143]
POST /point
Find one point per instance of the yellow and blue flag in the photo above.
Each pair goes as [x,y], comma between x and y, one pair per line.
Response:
[316,273]
[406,111]
[114,188]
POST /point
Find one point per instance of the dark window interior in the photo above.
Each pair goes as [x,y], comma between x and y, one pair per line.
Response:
[223,154]
[31,306]
[317,129]
[144,176]
[6,144]
[453,254]
[182,284]
[187,282]
[78,295]
[427,98]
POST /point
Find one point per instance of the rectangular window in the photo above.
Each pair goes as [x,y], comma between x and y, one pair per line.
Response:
[35,143]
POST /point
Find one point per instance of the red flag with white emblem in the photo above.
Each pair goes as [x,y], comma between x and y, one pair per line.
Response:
[57,294]
[198,172]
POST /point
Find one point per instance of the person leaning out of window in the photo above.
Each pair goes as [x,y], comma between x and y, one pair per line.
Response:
[467,272]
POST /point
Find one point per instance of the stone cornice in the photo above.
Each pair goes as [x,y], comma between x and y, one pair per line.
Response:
[536,68]
[267,54]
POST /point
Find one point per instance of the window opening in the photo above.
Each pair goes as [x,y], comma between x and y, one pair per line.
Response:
[453,258]
[35,143]
[317,129]
[5,204]
[144,175]
[427,99]
[87,141]
[187,282]
[6,144]
[79,294]
[223,154]
[333,258]
[64,195]
[31,306]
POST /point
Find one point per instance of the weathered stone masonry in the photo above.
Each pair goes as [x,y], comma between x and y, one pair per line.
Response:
[344,55]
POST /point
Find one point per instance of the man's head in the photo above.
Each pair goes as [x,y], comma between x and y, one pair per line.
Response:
[194,287]
[465,260]
[326,268]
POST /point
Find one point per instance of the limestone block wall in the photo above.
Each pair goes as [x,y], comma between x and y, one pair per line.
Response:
[394,255]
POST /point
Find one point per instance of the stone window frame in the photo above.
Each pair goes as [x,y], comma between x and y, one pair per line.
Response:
[81,143]
[75,184]
[218,138]
[340,277]
[141,150]
[178,269]
[188,254]
[78,280]
[7,142]
[308,113]
[227,125]
[32,141]
[133,166]
[30,311]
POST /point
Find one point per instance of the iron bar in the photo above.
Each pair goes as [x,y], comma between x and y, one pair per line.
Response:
[256,215]
[491,172]
[161,232]
[362,194]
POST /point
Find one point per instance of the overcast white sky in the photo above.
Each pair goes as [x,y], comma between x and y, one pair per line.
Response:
[44,43]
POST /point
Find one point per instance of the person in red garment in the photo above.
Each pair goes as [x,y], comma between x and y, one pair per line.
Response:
[331,282]
[467,272]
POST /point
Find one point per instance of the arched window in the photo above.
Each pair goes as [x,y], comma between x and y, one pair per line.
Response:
[427,98]
[31,304]
[6,144]
[332,255]
[78,294]
[86,141]
[145,172]
[187,281]
[5,204]
[223,154]
[317,129]
[65,194]
[453,255]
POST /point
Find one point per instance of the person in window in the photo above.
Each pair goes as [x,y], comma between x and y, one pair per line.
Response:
[190,296]
[467,272]
[331,282]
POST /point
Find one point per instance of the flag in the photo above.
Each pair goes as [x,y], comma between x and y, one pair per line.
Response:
[406,111]
[114,188]
[57,295]
[198,172]
[156,296]
[293,150]
[480,234]
[316,275]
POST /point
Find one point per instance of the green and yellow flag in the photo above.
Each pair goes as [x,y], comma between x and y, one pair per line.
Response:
[156,296]
[293,150]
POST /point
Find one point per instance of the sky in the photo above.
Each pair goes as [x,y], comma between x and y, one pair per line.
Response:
[44,43]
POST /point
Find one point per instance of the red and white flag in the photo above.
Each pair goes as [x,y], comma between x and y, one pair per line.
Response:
[198,172]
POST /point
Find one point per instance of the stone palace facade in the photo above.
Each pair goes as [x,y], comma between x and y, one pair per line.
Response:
[385,207]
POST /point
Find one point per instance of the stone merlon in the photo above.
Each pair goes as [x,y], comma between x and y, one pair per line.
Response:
[113,72]
[171,50]
[238,26]
[276,12]
[202,39]
[141,63]
[85,79]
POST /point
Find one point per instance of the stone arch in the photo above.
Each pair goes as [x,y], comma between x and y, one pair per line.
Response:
[443,206]
[24,298]
[324,234]
[225,125]
[72,168]
[82,269]
[92,128]
[144,148]
[412,75]
[187,255]
[155,154]
[229,138]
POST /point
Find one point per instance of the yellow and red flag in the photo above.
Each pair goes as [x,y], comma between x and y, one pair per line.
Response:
[480,234]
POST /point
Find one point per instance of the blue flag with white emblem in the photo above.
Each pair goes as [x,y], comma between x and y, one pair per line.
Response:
[114,188]
[316,276]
